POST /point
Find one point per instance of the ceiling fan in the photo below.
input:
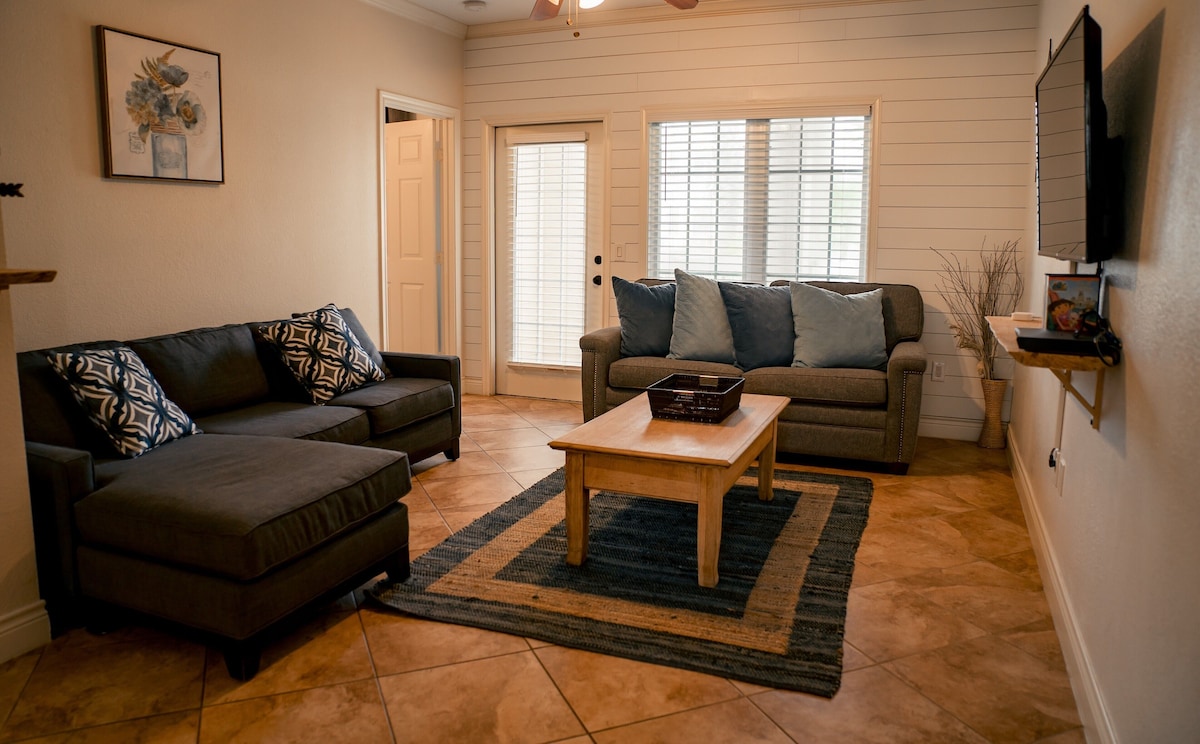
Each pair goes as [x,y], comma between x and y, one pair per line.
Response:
[544,10]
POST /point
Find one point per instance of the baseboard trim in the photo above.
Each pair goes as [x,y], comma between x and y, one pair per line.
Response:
[966,430]
[24,630]
[1097,724]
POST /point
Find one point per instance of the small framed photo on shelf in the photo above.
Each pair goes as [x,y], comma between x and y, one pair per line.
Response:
[1068,298]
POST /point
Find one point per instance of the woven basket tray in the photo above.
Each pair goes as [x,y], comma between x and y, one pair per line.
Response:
[707,399]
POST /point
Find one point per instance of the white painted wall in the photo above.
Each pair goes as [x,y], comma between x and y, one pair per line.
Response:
[1118,543]
[954,160]
[24,624]
[295,226]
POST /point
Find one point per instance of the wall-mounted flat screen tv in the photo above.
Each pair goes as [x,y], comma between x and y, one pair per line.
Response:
[1075,172]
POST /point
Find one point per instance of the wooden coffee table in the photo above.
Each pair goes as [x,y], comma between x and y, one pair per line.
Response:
[628,451]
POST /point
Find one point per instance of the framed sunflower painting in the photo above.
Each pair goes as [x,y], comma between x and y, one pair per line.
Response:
[161,109]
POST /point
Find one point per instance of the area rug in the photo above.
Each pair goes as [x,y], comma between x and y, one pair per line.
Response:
[775,618]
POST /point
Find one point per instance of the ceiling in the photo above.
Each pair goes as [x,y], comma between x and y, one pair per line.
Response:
[502,10]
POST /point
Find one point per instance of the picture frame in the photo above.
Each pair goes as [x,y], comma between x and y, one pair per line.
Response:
[1068,298]
[160,107]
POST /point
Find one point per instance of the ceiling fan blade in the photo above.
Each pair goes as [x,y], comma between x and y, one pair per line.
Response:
[683,4]
[544,10]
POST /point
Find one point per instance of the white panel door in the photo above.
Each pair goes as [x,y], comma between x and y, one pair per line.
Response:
[413,282]
[551,268]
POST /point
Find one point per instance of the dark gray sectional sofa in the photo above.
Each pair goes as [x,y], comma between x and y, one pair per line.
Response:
[845,413]
[277,504]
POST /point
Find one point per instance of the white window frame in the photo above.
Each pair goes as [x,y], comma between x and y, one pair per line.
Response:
[838,107]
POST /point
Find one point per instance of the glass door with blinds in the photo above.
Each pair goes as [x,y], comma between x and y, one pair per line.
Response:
[759,199]
[550,259]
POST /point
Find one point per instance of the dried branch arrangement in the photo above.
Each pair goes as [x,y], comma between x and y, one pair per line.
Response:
[973,295]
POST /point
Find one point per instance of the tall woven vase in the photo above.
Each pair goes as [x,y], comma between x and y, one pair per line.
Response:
[992,436]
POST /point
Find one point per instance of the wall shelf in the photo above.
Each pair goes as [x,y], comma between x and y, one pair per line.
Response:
[8,277]
[1062,365]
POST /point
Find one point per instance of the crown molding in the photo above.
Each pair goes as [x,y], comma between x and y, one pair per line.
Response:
[417,14]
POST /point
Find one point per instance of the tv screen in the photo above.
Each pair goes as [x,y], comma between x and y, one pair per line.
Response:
[1072,150]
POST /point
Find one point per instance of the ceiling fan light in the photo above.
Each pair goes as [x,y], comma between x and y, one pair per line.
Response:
[589,4]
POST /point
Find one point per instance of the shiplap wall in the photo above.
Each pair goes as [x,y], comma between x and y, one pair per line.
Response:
[954,157]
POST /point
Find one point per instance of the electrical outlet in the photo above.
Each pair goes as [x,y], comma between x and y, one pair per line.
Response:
[939,372]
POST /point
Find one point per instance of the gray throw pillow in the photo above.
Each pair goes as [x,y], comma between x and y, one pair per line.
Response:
[646,315]
[701,330]
[761,320]
[836,330]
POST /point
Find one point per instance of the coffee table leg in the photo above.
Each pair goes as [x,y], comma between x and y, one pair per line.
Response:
[766,467]
[577,510]
[708,529]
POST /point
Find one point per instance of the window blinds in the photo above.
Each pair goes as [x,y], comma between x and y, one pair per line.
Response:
[760,199]
[549,251]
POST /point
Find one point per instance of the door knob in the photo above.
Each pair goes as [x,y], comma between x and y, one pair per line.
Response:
[597,280]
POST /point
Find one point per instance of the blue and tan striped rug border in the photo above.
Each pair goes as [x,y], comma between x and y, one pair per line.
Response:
[776,617]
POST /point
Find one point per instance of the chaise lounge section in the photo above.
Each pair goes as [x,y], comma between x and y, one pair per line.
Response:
[278,504]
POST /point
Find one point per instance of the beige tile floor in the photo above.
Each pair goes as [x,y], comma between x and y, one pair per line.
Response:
[948,639]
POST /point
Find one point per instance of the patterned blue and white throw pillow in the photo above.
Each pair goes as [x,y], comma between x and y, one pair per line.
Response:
[323,353]
[122,398]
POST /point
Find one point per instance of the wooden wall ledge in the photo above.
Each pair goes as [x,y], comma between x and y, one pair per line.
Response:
[1005,330]
[9,277]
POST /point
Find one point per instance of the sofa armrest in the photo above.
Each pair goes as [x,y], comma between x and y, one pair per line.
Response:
[58,477]
[905,375]
[431,366]
[600,349]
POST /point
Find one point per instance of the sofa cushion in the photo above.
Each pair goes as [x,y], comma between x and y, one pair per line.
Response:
[641,372]
[834,415]
[700,331]
[323,353]
[839,385]
[836,330]
[761,321]
[646,314]
[278,418]
[211,503]
[207,369]
[122,399]
[399,401]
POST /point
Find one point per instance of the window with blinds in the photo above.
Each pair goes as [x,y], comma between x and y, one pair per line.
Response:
[549,252]
[760,199]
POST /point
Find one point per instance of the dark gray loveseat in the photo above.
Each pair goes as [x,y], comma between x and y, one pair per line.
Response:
[858,414]
[279,502]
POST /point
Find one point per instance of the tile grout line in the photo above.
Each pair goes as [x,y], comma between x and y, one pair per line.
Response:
[387,716]
[586,731]
[931,701]
[203,691]
[24,686]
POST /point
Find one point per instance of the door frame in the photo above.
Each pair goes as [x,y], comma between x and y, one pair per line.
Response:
[489,245]
[450,225]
